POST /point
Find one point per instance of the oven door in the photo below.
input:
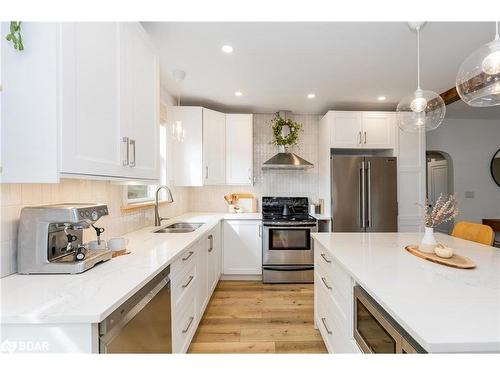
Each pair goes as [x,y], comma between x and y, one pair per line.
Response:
[372,330]
[287,245]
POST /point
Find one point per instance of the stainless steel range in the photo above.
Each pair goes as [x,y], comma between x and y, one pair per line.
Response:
[287,249]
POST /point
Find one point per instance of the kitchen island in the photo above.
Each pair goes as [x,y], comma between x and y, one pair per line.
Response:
[443,309]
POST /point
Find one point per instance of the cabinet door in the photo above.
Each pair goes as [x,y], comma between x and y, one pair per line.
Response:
[140,107]
[214,147]
[239,149]
[346,129]
[91,132]
[378,130]
[213,249]
[202,275]
[242,248]
[188,154]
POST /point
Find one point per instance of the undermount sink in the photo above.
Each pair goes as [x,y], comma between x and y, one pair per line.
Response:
[179,228]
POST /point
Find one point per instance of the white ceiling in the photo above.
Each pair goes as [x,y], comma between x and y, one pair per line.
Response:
[346,64]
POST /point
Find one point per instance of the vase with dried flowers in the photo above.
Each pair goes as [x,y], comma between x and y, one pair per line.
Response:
[444,210]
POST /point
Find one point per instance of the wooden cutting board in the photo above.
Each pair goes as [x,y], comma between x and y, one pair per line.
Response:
[456,261]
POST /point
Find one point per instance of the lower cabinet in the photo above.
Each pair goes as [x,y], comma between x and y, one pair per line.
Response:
[333,310]
[193,278]
[242,247]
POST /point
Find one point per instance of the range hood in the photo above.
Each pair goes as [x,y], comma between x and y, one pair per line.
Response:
[286,160]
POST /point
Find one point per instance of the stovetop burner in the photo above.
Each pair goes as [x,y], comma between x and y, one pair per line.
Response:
[285,209]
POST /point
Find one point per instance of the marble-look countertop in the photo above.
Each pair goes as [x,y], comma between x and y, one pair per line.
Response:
[444,309]
[91,296]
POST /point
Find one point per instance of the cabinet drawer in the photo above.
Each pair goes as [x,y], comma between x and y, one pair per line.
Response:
[182,284]
[335,335]
[339,278]
[184,322]
[336,302]
[184,262]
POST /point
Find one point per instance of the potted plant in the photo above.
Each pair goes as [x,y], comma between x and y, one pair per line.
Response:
[443,211]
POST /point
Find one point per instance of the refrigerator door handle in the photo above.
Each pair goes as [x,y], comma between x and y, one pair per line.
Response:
[369,193]
[362,195]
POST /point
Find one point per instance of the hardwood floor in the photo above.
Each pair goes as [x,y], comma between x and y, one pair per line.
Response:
[252,317]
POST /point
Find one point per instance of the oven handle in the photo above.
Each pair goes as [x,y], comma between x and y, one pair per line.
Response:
[308,268]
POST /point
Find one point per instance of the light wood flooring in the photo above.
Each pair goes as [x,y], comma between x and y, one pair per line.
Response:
[252,317]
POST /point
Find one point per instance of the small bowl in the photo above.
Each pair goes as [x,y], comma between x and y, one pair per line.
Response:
[443,251]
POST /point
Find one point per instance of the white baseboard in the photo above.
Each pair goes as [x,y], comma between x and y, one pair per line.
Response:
[241,277]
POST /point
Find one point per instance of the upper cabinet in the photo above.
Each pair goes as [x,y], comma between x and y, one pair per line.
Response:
[98,114]
[214,147]
[355,130]
[239,149]
[217,148]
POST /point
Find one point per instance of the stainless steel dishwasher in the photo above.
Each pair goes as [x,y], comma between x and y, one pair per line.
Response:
[142,324]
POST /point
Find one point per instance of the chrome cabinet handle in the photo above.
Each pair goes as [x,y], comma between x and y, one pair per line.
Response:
[249,174]
[189,325]
[325,258]
[189,256]
[206,172]
[211,239]
[365,138]
[126,140]
[189,282]
[323,320]
[326,284]
[260,230]
[132,144]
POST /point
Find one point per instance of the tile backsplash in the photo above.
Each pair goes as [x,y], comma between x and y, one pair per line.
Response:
[270,182]
[117,223]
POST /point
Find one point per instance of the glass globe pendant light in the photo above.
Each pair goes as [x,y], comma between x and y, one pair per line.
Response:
[423,110]
[478,79]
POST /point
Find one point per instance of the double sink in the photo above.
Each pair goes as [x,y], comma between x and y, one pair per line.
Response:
[179,228]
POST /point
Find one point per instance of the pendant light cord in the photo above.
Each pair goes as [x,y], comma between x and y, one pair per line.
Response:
[418,57]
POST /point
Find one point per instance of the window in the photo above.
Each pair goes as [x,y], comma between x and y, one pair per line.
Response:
[146,193]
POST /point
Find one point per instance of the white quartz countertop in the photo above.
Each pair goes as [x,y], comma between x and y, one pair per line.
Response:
[444,309]
[91,296]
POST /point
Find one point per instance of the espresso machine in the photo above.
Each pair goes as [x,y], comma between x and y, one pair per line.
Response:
[50,238]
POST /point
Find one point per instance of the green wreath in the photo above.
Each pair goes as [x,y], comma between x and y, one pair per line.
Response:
[292,138]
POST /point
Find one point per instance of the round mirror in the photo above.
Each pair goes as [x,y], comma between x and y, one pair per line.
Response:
[495,167]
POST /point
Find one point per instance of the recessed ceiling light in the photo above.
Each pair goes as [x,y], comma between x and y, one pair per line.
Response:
[311,96]
[381,98]
[227,48]
[238,93]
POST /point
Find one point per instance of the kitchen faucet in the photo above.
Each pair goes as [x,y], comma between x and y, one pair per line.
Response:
[158,218]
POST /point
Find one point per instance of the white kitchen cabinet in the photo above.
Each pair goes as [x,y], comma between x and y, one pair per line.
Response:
[200,156]
[242,249]
[140,101]
[333,307]
[214,261]
[77,100]
[214,147]
[355,130]
[346,129]
[239,149]
[378,130]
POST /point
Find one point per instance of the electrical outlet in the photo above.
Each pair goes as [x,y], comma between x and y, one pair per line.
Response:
[469,194]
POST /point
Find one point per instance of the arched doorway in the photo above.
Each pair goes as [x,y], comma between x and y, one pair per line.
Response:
[439,180]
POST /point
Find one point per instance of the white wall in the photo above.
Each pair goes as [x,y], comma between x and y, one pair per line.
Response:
[471,145]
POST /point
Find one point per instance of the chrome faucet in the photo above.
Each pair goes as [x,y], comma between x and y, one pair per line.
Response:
[170,198]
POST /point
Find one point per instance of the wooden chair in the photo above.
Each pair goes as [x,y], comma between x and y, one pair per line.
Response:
[474,232]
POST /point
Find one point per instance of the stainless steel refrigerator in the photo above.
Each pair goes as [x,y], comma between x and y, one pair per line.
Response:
[364,194]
